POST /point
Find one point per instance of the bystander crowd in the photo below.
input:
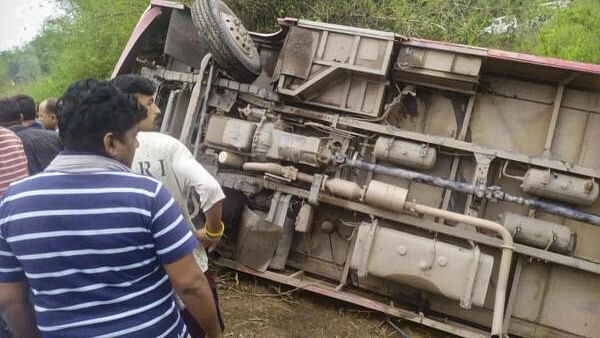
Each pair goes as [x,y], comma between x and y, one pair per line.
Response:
[41,146]
[103,250]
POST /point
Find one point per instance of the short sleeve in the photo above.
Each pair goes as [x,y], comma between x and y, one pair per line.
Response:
[10,268]
[172,236]
[197,177]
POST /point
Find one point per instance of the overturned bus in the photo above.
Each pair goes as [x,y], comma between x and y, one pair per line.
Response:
[448,185]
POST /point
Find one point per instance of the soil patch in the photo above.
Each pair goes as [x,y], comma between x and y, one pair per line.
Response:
[257,308]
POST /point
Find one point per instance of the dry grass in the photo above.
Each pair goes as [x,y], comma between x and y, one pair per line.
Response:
[257,308]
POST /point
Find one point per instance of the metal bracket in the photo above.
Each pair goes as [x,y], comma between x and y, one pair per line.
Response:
[335,121]
[166,123]
[195,102]
[482,168]
[277,177]
[315,188]
[465,303]
[253,90]
[223,99]
[363,245]
[280,204]
[513,293]
[348,262]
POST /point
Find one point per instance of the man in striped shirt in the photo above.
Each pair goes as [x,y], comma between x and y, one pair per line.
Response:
[13,162]
[103,250]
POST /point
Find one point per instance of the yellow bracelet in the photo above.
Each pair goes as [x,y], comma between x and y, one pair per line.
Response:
[214,234]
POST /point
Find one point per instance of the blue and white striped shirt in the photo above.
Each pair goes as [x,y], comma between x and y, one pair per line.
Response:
[92,247]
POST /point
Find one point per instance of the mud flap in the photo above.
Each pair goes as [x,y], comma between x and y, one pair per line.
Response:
[257,241]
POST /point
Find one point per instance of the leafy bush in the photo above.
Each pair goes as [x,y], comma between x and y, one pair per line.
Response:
[572,33]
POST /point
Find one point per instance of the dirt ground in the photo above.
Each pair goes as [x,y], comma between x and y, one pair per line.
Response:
[257,308]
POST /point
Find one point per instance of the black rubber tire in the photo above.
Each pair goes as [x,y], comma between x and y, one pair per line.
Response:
[228,55]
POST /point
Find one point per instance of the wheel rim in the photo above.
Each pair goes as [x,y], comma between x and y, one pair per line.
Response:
[239,33]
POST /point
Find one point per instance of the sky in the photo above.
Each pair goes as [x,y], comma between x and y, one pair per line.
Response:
[22,20]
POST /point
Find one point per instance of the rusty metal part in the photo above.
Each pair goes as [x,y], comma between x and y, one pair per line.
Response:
[195,100]
[423,263]
[257,240]
[201,120]
[425,224]
[354,67]
[166,122]
[410,154]
[280,203]
[490,193]
[385,196]
[231,160]
[254,90]
[548,256]
[296,148]
[539,233]
[440,141]
[513,293]
[230,133]
[182,41]
[287,172]
[505,259]
[269,142]
[304,219]
[565,188]
[344,188]
[239,33]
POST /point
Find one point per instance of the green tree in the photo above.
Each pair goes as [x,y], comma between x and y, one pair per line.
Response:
[571,33]
[86,43]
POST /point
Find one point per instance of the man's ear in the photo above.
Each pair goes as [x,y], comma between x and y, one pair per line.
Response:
[109,144]
[21,118]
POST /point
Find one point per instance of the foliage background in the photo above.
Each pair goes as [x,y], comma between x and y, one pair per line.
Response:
[88,41]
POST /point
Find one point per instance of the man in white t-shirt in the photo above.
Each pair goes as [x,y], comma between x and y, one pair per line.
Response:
[169,161]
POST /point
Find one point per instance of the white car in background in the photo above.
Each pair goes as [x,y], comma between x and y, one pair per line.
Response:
[509,23]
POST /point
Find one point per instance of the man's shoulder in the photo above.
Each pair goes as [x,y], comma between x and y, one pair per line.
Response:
[155,136]
[43,132]
[117,179]
[7,134]
[36,133]
[155,143]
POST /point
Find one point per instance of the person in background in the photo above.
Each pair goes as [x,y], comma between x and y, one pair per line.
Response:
[47,114]
[27,107]
[168,160]
[13,167]
[41,146]
[102,249]
[13,162]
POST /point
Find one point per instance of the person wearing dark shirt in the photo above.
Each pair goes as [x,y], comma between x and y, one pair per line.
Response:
[27,108]
[41,146]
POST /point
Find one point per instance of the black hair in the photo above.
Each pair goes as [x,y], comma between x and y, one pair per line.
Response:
[89,109]
[134,84]
[27,106]
[10,112]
